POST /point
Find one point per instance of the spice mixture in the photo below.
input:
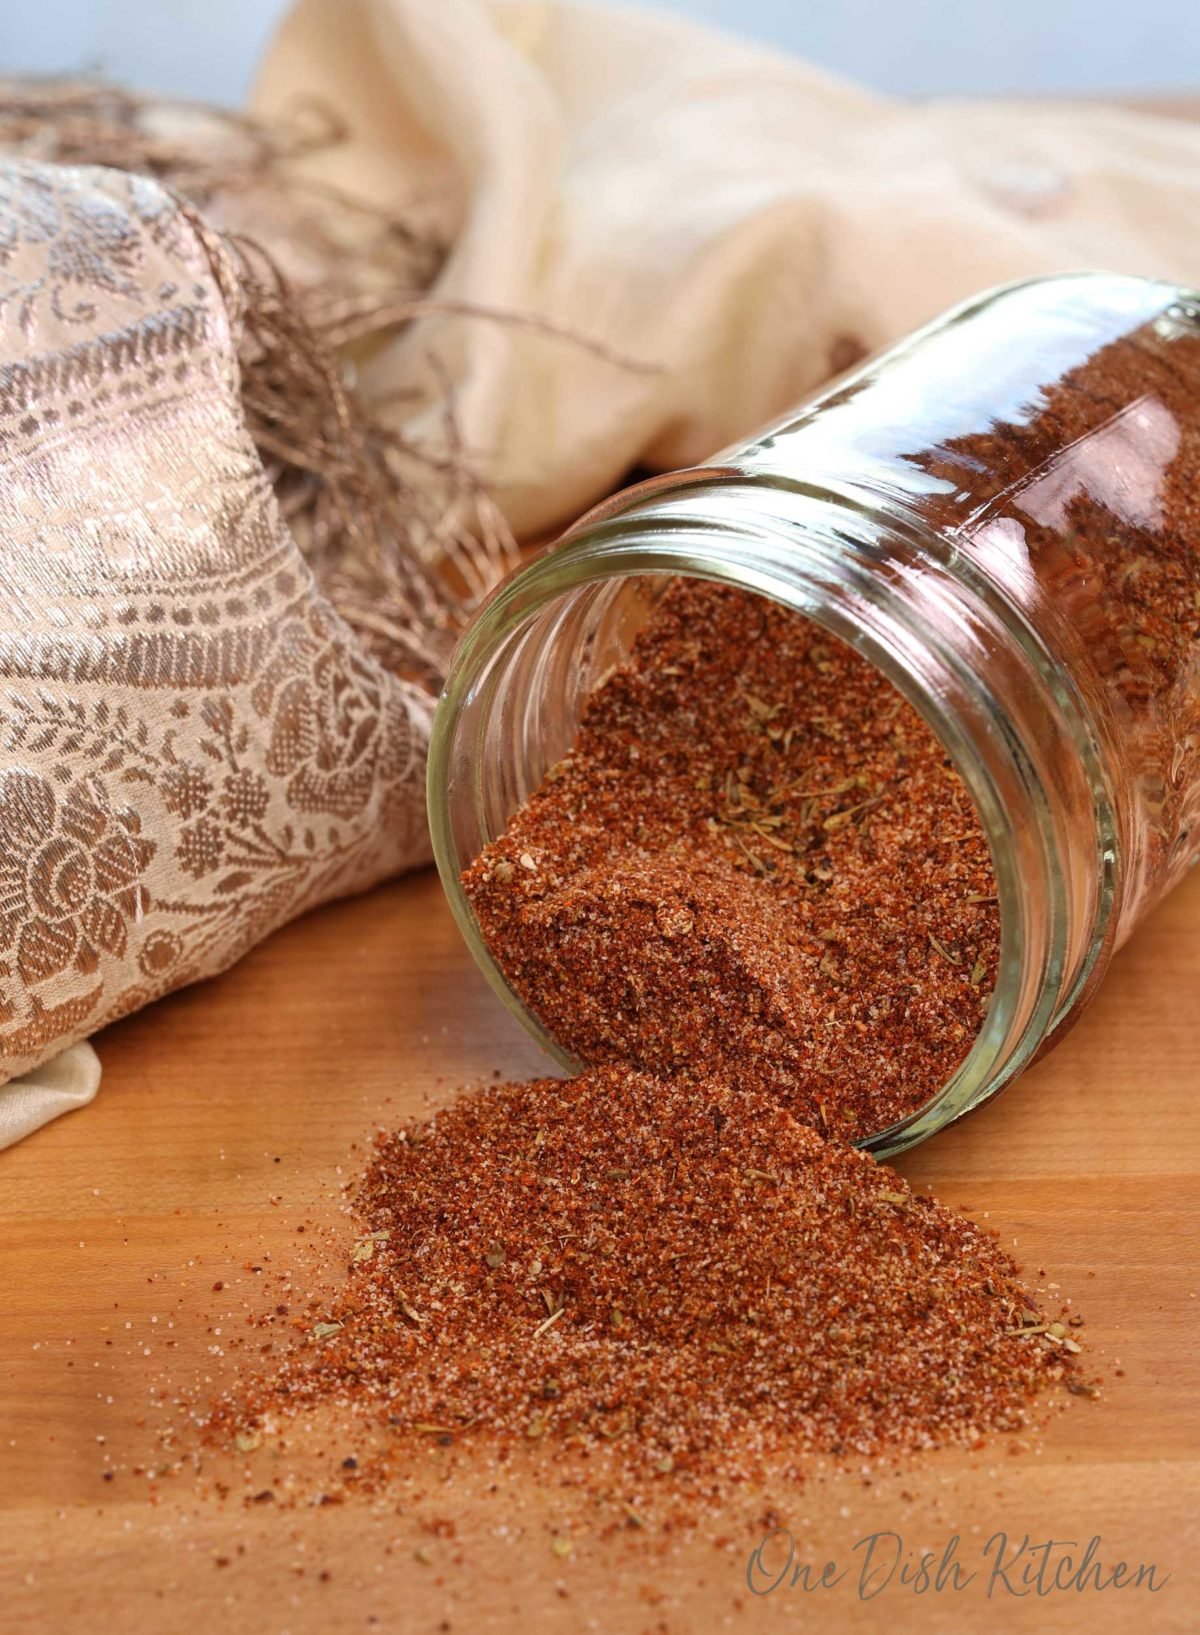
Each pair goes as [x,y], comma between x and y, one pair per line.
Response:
[675,1270]
[1099,493]
[756,898]
[757,862]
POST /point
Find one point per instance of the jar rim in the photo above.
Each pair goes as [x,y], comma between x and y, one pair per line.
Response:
[816,550]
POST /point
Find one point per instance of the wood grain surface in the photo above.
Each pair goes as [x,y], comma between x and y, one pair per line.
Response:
[233,1113]
[229,1115]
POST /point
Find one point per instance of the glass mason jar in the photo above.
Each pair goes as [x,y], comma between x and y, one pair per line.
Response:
[1002,513]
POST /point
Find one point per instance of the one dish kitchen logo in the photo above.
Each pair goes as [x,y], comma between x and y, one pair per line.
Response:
[1006,1566]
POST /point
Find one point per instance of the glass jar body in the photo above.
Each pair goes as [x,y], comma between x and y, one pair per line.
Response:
[998,513]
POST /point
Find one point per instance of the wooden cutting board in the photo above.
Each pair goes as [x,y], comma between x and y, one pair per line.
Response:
[228,1116]
[231,1114]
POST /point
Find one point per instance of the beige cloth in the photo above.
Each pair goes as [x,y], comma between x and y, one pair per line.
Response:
[193,746]
[67,1082]
[747,223]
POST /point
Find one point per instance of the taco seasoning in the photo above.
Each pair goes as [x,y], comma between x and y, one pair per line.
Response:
[756,858]
[801,797]
[849,759]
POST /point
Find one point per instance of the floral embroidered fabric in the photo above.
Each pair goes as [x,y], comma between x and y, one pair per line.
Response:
[193,745]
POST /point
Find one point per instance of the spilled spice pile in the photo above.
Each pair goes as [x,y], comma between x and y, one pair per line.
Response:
[756,859]
[677,1271]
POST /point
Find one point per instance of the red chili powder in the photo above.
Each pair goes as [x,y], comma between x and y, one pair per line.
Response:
[757,861]
[678,1271]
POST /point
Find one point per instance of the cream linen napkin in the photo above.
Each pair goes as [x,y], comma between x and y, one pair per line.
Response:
[60,1086]
[734,216]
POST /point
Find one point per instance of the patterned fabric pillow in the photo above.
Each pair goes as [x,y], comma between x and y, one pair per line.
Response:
[193,746]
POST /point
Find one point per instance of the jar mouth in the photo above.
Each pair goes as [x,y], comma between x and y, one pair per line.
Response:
[1012,731]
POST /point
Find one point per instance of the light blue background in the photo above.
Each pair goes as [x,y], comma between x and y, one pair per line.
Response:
[207,48]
